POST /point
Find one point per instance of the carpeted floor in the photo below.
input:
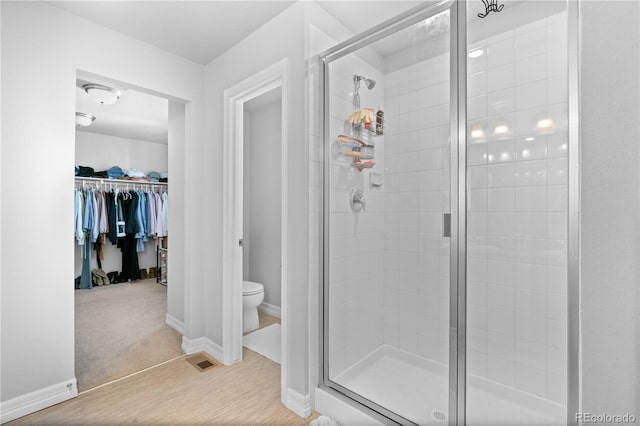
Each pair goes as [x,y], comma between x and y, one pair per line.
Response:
[120,330]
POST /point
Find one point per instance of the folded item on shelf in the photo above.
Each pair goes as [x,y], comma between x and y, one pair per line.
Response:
[101,174]
[153,176]
[165,180]
[115,172]
[135,173]
[84,171]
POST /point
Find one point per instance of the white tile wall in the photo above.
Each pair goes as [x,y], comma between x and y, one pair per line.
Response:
[356,271]
[517,189]
[416,194]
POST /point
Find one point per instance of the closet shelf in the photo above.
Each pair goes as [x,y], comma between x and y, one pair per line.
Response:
[119,182]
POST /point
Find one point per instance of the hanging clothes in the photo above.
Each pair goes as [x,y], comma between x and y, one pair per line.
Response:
[87,228]
[79,216]
[158,228]
[151,209]
[128,219]
[127,244]
[112,218]
[165,214]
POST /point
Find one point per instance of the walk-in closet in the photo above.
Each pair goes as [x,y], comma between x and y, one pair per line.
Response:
[121,232]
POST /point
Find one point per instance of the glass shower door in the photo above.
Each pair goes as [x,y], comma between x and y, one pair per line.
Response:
[387,191]
[517,152]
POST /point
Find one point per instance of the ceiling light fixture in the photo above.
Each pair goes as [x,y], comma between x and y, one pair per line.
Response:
[83,119]
[102,94]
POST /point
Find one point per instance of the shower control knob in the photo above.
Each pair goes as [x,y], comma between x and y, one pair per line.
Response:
[357,200]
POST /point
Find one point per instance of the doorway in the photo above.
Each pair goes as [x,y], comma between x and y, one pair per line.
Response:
[261,233]
[266,88]
[122,296]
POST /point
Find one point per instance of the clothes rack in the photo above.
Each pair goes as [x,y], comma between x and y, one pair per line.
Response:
[126,213]
[119,184]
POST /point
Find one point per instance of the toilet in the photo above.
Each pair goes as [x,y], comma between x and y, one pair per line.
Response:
[252,296]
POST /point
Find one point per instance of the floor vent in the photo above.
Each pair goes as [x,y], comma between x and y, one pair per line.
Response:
[201,361]
[205,364]
[439,415]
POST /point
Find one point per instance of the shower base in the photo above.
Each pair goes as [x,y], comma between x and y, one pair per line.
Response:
[417,389]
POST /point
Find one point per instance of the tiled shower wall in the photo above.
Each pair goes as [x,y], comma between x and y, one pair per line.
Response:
[517,208]
[356,238]
[416,194]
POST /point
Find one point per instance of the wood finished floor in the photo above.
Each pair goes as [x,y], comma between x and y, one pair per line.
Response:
[176,393]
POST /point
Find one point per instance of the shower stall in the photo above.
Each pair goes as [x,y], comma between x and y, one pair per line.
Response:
[449,215]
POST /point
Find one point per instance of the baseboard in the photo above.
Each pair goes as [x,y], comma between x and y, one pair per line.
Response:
[270,309]
[172,322]
[202,344]
[298,403]
[37,400]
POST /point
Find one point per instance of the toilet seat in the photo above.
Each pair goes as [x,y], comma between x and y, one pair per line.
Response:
[250,287]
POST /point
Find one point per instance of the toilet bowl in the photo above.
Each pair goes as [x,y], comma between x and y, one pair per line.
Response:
[252,296]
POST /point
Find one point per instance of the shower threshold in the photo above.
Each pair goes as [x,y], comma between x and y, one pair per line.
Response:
[417,389]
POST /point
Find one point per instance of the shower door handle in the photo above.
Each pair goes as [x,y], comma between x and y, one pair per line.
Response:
[446,225]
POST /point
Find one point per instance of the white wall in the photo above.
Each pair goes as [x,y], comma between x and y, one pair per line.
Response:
[102,152]
[264,47]
[176,290]
[45,47]
[610,207]
[262,200]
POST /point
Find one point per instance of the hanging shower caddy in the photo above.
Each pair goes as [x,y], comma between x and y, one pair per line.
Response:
[365,124]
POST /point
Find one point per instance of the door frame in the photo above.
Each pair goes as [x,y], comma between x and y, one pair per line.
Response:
[270,78]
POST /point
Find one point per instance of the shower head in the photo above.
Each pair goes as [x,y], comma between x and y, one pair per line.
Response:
[367,81]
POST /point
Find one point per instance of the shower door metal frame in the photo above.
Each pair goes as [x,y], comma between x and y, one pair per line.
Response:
[457,353]
[573,213]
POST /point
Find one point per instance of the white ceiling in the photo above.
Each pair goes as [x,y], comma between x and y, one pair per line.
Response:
[359,16]
[135,115]
[196,30]
[199,31]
